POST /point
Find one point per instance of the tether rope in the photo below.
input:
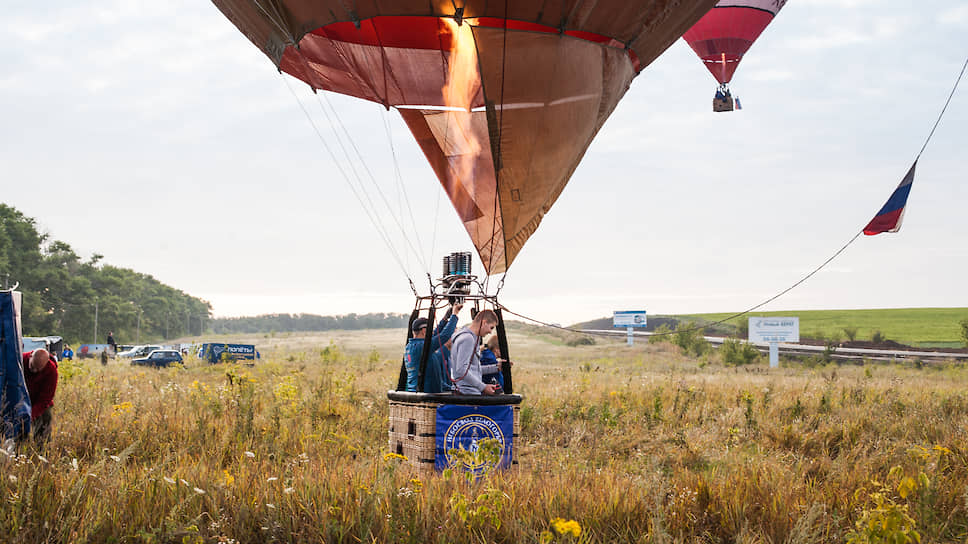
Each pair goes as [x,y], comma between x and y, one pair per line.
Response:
[955,88]
[788,289]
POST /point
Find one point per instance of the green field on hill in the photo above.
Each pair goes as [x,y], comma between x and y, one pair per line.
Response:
[938,327]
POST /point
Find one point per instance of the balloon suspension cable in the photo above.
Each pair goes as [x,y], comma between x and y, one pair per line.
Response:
[413,287]
[377,225]
[403,188]
[948,101]
[500,285]
[366,168]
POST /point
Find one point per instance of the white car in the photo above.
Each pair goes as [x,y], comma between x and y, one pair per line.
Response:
[139,351]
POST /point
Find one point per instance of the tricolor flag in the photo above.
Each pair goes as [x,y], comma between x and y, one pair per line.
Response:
[890,217]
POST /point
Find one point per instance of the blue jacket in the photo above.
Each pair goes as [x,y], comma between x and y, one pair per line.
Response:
[437,380]
[488,359]
[415,348]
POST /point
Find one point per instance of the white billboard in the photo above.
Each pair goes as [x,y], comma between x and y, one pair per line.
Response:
[631,318]
[774,329]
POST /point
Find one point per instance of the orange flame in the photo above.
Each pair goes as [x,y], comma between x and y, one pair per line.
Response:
[463,83]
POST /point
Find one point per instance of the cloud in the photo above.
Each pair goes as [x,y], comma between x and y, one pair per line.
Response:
[771,75]
[957,16]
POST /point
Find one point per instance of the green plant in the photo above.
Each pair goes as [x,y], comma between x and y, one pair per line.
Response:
[886,520]
[736,352]
[851,333]
[662,333]
[877,337]
[829,349]
[483,510]
[964,330]
[583,340]
[690,338]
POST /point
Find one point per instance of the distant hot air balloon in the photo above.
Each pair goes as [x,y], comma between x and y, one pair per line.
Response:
[723,36]
[546,76]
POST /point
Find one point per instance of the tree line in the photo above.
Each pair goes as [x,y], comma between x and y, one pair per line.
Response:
[63,295]
[306,323]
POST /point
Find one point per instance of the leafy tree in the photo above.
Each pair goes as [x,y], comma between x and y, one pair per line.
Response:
[61,292]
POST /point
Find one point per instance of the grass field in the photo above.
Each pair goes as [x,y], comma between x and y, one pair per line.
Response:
[618,444]
[913,326]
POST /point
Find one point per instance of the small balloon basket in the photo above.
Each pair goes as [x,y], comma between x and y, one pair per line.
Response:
[438,431]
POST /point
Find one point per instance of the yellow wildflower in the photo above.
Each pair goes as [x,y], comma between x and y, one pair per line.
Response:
[122,408]
[389,456]
[563,527]
[229,479]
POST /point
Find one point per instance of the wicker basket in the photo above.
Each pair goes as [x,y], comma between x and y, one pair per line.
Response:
[413,424]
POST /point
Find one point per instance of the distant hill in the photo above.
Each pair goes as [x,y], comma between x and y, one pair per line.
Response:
[925,327]
[935,327]
[652,323]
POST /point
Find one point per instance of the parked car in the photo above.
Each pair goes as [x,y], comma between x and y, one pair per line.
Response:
[159,358]
[139,351]
[218,353]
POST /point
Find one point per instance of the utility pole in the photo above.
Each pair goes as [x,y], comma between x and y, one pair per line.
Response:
[166,324]
[188,323]
[138,341]
[95,320]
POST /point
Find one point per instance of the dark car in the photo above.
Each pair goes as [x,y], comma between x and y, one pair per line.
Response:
[159,358]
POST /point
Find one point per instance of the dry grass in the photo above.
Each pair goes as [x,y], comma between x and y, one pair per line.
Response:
[636,444]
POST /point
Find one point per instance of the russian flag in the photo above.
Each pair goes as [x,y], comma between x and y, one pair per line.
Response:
[890,217]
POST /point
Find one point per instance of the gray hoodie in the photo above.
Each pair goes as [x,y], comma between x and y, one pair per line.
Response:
[465,363]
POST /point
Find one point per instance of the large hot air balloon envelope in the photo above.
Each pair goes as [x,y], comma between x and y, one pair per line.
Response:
[547,75]
[725,34]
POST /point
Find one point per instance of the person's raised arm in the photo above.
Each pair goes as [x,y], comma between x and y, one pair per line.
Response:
[446,327]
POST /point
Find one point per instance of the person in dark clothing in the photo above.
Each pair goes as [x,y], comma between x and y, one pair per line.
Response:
[415,345]
[491,363]
[112,343]
[436,380]
[40,373]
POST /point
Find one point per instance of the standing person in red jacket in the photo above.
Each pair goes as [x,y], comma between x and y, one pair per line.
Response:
[40,373]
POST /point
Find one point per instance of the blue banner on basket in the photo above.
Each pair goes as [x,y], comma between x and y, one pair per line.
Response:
[469,428]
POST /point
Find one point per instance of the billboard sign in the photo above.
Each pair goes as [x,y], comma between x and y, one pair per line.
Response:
[774,329]
[632,318]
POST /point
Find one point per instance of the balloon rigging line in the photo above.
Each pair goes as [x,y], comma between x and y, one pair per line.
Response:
[433,240]
[376,225]
[943,109]
[359,179]
[500,160]
[403,187]
[349,160]
[366,168]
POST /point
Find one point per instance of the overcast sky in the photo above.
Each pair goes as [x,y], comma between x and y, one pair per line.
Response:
[155,134]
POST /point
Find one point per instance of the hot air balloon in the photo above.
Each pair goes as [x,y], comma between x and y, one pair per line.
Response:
[725,34]
[503,98]
[548,74]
